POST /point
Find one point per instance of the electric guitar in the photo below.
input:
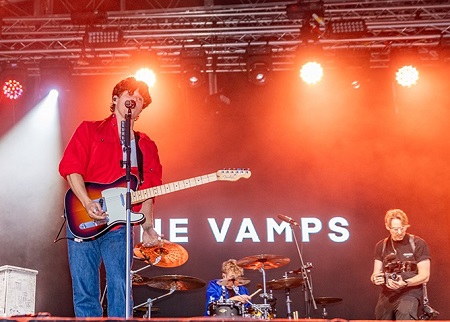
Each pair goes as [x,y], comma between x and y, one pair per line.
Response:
[112,198]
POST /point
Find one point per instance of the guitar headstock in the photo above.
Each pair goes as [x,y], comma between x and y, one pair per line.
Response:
[233,174]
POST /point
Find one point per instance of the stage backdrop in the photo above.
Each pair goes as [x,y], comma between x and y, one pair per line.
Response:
[333,158]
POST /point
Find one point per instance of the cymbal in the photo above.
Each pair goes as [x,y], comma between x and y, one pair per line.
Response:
[284,283]
[327,300]
[139,280]
[165,254]
[238,281]
[177,282]
[266,261]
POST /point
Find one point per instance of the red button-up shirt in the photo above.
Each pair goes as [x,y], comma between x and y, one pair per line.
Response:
[95,152]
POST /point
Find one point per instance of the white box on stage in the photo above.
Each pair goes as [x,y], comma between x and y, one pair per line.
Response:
[17,290]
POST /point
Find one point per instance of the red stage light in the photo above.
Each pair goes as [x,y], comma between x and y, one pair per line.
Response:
[12,89]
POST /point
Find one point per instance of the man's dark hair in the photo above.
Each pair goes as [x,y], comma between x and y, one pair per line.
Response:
[131,84]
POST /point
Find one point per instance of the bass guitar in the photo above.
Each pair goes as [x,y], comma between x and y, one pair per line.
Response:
[112,198]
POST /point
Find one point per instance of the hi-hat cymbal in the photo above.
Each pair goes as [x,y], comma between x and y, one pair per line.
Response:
[139,280]
[238,281]
[284,283]
[266,261]
[176,282]
[327,300]
[165,254]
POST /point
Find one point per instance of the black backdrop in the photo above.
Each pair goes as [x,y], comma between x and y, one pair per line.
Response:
[314,152]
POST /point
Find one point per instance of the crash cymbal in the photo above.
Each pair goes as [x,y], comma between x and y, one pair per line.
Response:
[176,282]
[165,254]
[238,281]
[327,300]
[263,260]
[139,280]
[284,283]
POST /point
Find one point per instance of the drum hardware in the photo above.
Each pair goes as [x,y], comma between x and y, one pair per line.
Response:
[171,283]
[324,301]
[144,310]
[262,262]
[304,270]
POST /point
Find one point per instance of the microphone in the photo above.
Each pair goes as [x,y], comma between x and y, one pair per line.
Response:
[130,103]
[288,220]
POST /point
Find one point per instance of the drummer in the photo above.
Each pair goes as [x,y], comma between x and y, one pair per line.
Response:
[230,287]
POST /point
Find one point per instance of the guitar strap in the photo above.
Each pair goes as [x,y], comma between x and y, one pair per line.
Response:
[139,158]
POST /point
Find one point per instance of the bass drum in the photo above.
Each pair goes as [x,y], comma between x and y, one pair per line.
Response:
[224,309]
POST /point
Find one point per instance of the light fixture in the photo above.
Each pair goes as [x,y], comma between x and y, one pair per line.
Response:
[310,60]
[103,37]
[407,76]
[259,64]
[13,77]
[345,28]
[405,65]
[12,89]
[193,67]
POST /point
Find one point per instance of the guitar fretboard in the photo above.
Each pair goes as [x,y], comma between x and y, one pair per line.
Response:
[142,195]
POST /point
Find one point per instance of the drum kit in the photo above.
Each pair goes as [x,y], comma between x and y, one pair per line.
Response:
[168,254]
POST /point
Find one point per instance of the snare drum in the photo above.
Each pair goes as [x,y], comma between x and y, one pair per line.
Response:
[225,309]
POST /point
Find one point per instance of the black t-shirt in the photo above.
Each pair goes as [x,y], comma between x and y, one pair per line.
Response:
[403,251]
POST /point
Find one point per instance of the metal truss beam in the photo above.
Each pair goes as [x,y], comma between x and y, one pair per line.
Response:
[225,33]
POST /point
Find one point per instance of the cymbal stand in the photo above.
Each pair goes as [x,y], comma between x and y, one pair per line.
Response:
[150,301]
[288,300]
[264,295]
[307,283]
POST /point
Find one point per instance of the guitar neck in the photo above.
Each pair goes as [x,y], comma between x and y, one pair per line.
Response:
[142,195]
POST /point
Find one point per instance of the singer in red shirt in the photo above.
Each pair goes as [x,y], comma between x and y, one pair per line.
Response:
[95,154]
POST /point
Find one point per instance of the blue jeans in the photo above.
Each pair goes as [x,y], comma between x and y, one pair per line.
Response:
[84,261]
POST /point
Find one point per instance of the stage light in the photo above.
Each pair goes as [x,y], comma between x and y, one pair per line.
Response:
[12,89]
[12,80]
[353,28]
[259,64]
[193,67]
[407,76]
[146,75]
[311,73]
[103,37]
[310,62]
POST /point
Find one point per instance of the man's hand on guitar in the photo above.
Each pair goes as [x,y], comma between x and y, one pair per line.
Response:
[95,211]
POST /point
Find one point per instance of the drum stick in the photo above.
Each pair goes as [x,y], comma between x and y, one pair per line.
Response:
[256,292]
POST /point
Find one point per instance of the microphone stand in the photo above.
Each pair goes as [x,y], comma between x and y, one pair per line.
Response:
[304,270]
[126,140]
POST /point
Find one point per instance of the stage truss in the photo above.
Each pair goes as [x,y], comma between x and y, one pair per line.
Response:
[224,32]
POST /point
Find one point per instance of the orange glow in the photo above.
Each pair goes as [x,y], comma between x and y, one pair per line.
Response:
[407,76]
[311,72]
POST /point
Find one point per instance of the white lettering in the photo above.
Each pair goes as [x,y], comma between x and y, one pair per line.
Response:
[247,230]
[175,230]
[335,225]
[310,226]
[219,234]
[273,226]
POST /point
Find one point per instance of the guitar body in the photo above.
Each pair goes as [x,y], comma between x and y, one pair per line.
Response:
[112,197]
